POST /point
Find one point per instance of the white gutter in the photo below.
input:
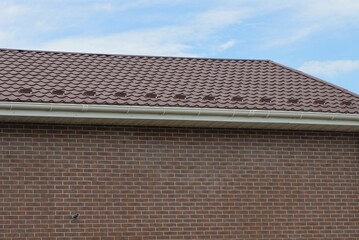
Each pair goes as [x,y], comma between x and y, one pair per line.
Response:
[91,113]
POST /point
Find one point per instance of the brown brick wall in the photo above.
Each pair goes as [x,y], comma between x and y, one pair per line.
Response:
[172,183]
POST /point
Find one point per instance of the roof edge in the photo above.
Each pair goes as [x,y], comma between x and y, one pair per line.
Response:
[176,116]
[130,55]
[315,78]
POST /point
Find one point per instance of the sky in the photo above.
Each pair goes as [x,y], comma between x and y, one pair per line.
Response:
[319,37]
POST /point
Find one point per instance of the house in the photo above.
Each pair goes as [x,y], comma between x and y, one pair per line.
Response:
[96,146]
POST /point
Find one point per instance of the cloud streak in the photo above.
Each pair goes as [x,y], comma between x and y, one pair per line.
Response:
[200,26]
[226,45]
[328,11]
[293,37]
[330,68]
[156,42]
[309,17]
[106,7]
[175,40]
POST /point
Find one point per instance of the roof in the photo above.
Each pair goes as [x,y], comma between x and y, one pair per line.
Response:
[81,78]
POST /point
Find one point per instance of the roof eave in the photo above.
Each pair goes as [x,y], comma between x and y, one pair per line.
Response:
[175,116]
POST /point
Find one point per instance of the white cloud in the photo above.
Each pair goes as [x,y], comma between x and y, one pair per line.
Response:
[23,24]
[329,68]
[110,6]
[329,10]
[10,16]
[308,17]
[9,11]
[226,45]
[174,40]
[106,7]
[156,42]
[291,37]
[218,18]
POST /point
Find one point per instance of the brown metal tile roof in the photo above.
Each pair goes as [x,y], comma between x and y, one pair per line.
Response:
[57,77]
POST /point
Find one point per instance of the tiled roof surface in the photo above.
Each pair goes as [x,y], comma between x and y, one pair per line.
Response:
[38,76]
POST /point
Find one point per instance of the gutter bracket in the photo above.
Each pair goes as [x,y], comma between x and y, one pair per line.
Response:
[233,114]
[84,108]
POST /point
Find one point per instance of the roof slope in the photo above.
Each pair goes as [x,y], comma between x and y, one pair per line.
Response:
[56,77]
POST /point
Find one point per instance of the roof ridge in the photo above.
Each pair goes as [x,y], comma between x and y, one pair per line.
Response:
[130,55]
[316,79]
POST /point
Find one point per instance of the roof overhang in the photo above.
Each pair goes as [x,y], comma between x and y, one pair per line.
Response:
[175,116]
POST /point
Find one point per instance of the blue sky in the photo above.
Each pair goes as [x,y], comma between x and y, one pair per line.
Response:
[319,37]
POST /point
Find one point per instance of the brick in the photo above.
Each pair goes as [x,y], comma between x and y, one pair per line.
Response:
[177,183]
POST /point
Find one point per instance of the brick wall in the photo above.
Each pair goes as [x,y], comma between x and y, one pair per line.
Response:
[172,183]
